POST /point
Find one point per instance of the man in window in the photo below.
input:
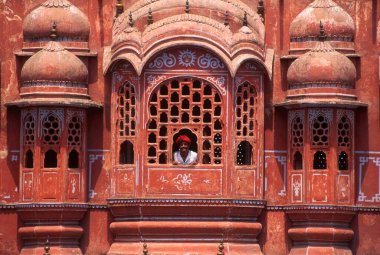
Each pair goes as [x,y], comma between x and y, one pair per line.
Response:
[184,156]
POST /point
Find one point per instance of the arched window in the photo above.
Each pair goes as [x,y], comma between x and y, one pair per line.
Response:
[29,159]
[297,161]
[245,123]
[51,138]
[244,154]
[126,118]
[343,161]
[344,142]
[29,140]
[73,159]
[126,153]
[50,159]
[74,138]
[320,161]
[182,103]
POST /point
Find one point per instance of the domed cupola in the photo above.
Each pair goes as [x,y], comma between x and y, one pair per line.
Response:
[73,24]
[322,74]
[340,27]
[53,74]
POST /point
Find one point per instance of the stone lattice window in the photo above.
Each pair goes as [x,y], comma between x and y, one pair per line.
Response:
[74,139]
[320,132]
[51,136]
[297,139]
[344,132]
[29,138]
[185,106]
[126,119]
[245,123]
[344,142]
[297,133]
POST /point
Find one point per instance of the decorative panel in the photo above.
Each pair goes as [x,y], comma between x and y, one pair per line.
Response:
[319,190]
[125,183]
[343,188]
[74,185]
[185,182]
[27,185]
[297,188]
[245,182]
[49,186]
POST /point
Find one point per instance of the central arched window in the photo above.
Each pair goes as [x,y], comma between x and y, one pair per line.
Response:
[186,106]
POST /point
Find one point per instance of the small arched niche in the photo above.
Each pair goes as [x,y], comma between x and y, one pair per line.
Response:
[50,159]
[126,153]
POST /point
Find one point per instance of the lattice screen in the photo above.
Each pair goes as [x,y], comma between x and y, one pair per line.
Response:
[185,104]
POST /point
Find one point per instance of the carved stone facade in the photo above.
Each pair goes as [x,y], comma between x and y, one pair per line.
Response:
[279,100]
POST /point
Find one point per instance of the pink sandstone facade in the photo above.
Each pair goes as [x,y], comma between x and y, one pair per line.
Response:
[280,100]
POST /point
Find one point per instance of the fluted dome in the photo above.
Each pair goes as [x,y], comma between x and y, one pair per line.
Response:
[73,25]
[323,66]
[338,23]
[53,65]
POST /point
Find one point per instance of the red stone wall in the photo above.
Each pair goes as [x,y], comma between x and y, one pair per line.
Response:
[279,14]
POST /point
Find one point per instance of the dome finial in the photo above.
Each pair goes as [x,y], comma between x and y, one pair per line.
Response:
[221,248]
[187,7]
[53,31]
[322,35]
[119,8]
[261,10]
[226,22]
[131,22]
[245,19]
[150,17]
[145,249]
[47,247]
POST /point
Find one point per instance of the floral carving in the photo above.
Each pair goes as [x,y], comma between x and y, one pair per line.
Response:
[219,82]
[153,80]
[183,181]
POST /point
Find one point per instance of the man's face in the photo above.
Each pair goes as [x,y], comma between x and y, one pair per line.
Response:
[184,148]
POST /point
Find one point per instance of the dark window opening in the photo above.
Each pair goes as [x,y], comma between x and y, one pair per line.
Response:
[297,161]
[320,161]
[196,84]
[175,84]
[163,159]
[50,159]
[174,97]
[206,159]
[164,90]
[244,153]
[126,153]
[185,90]
[29,159]
[343,161]
[74,159]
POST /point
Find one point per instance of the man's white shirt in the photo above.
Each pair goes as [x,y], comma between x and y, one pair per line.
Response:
[192,157]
